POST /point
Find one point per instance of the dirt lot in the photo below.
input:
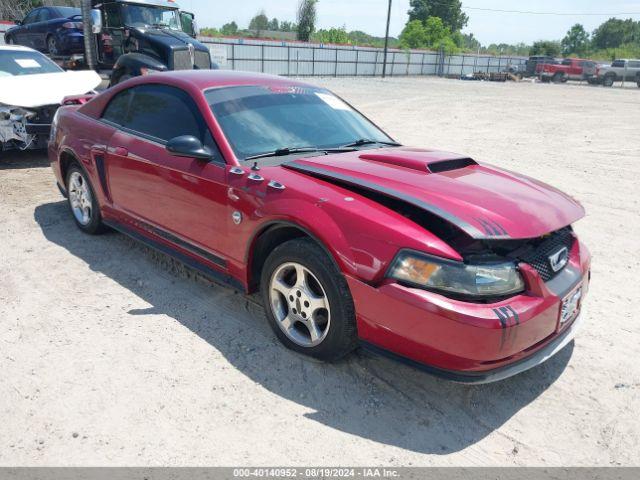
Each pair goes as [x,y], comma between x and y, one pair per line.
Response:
[114,355]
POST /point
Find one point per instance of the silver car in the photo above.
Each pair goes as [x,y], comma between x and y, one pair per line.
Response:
[622,69]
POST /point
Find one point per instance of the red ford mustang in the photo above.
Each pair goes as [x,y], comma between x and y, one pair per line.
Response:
[266,183]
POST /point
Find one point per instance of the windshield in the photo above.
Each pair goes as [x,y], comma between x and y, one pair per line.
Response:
[258,119]
[150,16]
[18,62]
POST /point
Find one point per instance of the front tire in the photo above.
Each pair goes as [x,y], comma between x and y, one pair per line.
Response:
[82,201]
[307,301]
[10,40]
[558,78]
[608,81]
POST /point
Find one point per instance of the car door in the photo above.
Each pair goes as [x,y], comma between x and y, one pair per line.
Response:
[40,29]
[22,34]
[183,200]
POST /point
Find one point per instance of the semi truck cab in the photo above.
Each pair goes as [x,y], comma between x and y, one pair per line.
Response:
[138,37]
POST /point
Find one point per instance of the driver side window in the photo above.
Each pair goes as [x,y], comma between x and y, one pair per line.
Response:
[159,113]
[31,18]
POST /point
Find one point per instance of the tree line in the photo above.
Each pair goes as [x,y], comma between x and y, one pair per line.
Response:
[614,38]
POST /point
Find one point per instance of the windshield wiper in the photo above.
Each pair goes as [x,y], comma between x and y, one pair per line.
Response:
[365,141]
[281,152]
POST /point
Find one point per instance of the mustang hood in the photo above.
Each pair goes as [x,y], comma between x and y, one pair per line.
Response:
[31,91]
[481,200]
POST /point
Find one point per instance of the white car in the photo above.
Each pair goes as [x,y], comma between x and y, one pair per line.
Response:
[32,88]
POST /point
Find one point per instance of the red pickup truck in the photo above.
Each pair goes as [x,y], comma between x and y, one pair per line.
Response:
[568,69]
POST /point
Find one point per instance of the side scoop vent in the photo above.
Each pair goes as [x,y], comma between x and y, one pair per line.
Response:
[448,165]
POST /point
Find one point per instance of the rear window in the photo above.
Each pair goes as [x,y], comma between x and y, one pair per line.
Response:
[17,62]
[66,12]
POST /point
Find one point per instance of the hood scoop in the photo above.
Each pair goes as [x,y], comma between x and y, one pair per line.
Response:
[421,160]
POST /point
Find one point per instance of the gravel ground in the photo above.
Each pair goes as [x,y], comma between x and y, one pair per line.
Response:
[115,355]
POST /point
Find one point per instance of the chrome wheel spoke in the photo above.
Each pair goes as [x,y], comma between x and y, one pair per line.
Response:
[317,303]
[314,332]
[280,286]
[301,276]
[287,322]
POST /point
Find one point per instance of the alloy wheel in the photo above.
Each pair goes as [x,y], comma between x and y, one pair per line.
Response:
[300,304]
[80,198]
[51,45]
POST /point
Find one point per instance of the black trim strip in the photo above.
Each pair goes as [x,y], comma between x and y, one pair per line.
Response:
[191,262]
[102,174]
[469,229]
[182,243]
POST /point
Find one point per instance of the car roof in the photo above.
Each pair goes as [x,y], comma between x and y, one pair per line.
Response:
[16,48]
[205,79]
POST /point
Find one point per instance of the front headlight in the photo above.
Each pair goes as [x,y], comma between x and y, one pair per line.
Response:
[457,278]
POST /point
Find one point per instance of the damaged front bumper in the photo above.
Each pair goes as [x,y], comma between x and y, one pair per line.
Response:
[474,342]
[23,129]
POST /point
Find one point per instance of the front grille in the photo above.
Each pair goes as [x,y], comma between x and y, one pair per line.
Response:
[182,60]
[538,256]
[202,60]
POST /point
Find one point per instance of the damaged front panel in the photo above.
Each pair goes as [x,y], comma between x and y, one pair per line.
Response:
[24,129]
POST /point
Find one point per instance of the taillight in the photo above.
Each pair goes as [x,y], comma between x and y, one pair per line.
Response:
[72,25]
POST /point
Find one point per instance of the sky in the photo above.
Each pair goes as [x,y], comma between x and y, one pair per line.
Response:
[370,15]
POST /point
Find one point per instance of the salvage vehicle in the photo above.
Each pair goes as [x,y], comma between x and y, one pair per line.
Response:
[273,185]
[32,88]
[568,69]
[56,30]
[619,70]
[126,38]
[531,65]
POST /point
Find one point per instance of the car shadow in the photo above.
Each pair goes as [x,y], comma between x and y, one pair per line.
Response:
[365,395]
[17,159]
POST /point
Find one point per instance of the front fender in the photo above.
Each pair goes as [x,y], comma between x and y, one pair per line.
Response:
[132,63]
[315,222]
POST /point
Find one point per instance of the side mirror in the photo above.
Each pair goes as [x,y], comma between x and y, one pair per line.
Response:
[96,21]
[18,22]
[189,146]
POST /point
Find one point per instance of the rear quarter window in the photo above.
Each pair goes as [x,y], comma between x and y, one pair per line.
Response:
[117,109]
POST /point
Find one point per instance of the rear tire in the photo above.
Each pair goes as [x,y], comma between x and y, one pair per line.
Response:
[52,46]
[307,301]
[82,201]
